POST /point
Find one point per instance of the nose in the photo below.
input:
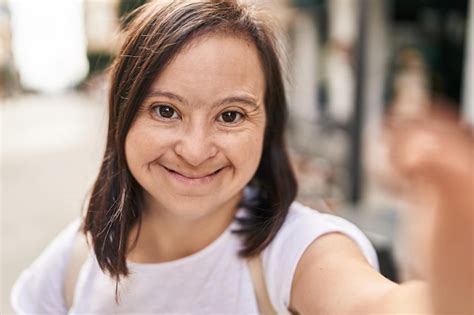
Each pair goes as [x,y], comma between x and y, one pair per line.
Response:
[196,146]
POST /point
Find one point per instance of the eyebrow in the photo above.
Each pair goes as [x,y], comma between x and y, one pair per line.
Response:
[158,93]
[245,99]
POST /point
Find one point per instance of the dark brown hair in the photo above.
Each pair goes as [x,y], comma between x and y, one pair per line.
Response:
[158,32]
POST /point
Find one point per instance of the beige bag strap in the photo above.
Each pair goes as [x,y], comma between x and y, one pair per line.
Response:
[256,272]
[76,260]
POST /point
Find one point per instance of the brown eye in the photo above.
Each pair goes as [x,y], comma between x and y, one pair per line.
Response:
[165,111]
[230,117]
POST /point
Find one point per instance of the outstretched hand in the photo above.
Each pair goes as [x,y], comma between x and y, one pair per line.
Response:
[433,154]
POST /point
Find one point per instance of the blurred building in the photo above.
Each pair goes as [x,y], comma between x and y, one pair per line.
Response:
[352,62]
[8,76]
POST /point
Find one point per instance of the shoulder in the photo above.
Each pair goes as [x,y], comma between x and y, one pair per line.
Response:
[334,269]
[302,227]
[39,289]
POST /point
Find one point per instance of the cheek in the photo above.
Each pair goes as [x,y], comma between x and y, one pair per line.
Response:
[246,150]
[143,145]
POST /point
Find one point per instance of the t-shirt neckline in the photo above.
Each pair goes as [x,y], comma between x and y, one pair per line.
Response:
[135,266]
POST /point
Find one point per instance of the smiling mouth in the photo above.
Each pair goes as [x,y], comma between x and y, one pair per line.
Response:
[192,179]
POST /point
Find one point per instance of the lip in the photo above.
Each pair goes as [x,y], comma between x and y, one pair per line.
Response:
[192,179]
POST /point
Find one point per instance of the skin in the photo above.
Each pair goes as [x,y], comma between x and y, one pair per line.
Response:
[175,156]
[435,154]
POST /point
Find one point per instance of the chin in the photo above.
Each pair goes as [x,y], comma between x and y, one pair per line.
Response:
[192,207]
[177,202]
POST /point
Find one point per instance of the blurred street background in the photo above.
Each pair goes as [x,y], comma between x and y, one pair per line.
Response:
[349,62]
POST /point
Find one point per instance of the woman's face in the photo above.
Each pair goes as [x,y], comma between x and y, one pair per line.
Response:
[197,139]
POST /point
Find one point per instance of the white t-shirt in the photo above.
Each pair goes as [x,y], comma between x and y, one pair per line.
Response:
[212,281]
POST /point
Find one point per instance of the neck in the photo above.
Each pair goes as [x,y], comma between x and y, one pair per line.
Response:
[165,236]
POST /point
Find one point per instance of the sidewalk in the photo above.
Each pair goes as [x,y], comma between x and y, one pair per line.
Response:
[51,150]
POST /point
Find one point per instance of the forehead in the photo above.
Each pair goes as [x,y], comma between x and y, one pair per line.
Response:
[214,65]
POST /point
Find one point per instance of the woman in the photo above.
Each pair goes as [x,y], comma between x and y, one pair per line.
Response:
[196,180]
